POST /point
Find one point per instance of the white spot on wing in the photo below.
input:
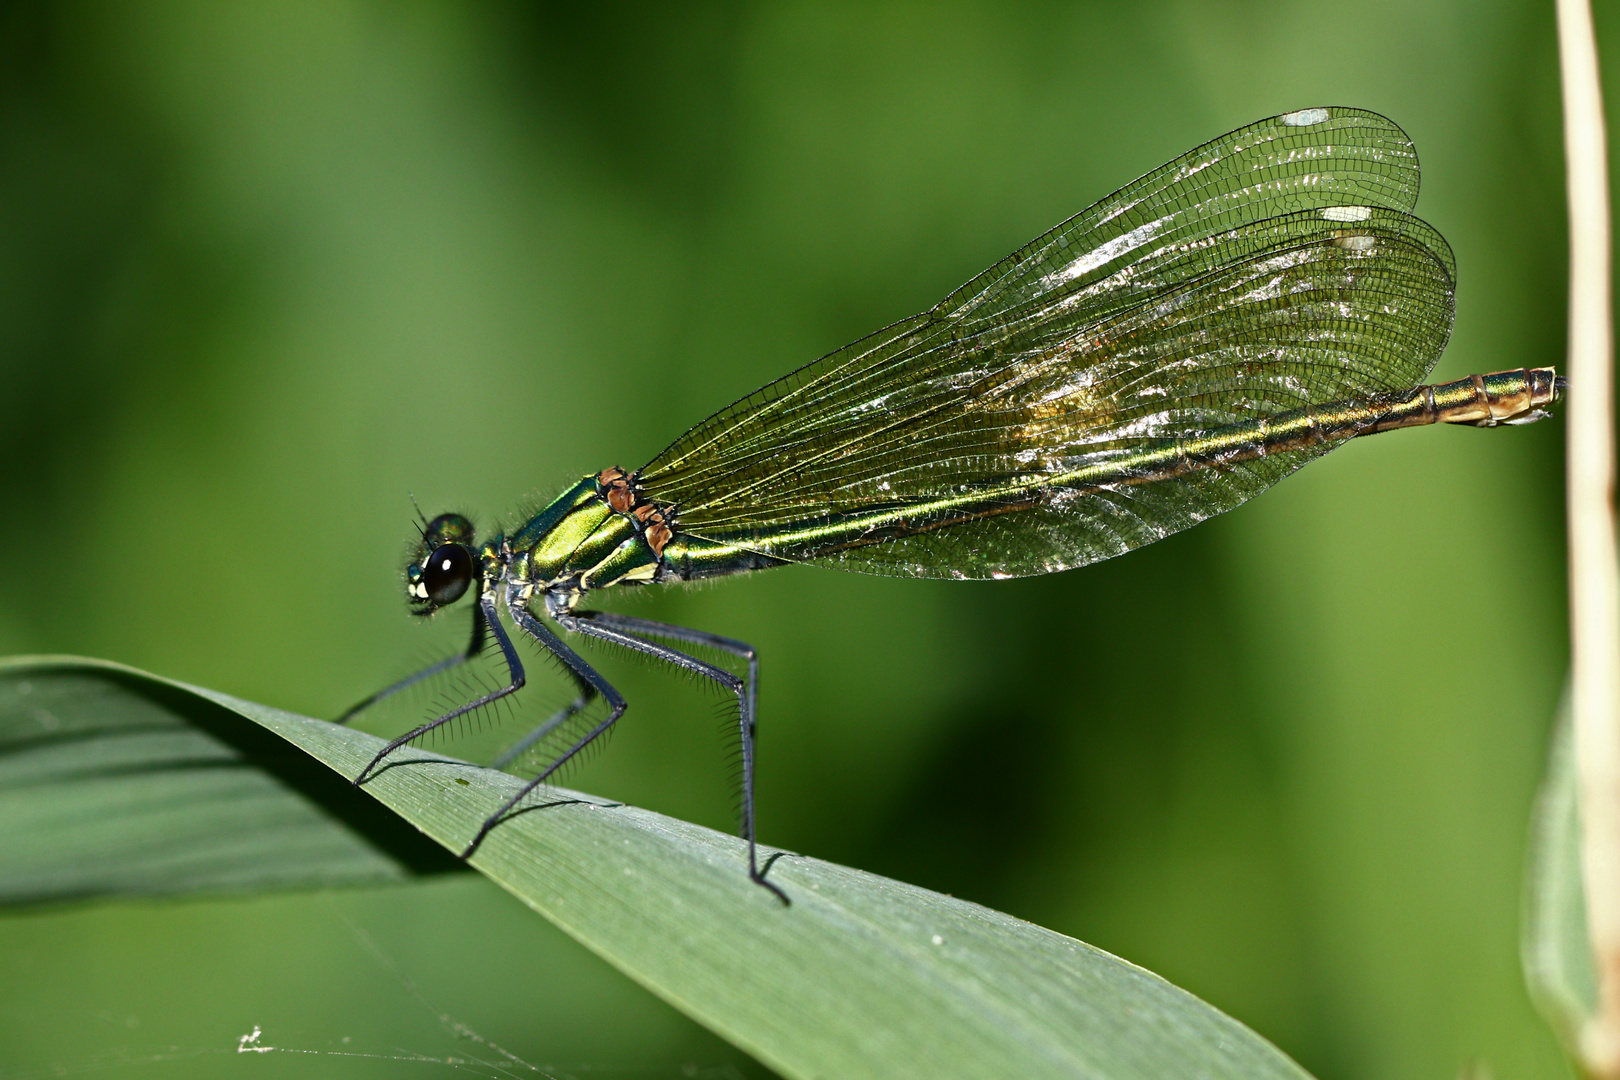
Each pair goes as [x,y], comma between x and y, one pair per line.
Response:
[1354,243]
[1303,118]
[1347,213]
[1105,253]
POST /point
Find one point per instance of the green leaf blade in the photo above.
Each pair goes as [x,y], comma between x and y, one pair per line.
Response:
[861,977]
[113,783]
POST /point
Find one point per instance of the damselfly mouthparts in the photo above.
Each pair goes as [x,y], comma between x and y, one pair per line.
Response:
[1154,360]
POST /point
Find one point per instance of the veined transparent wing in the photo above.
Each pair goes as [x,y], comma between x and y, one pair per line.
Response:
[1272,269]
[1307,159]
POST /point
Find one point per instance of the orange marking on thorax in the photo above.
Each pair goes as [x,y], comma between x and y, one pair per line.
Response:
[619,490]
[620,496]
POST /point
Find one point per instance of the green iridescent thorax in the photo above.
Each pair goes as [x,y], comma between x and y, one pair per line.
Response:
[578,536]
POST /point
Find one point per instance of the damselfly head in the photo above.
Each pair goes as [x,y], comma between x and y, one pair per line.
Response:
[443,566]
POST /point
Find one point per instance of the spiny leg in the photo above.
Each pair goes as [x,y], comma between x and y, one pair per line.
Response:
[749,713]
[582,671]
[587,694]
[514,668]
[474,647]
[694,637]
[622,630]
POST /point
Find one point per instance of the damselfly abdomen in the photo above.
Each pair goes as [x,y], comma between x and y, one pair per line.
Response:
[1153,361]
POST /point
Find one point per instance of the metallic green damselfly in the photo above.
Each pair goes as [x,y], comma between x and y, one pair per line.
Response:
[1156,359]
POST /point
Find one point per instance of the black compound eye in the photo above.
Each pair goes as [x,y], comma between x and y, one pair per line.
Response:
[447,573]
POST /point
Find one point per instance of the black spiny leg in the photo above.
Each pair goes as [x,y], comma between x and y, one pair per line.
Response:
[587,694]
[714,641]
[474,647]
[514,668]
[623,630]
[586,675]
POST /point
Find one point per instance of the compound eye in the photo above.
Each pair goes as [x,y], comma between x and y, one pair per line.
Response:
[447,573]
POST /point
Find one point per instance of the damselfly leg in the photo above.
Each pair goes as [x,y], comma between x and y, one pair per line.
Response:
[747,694]
[587,694]
[514,669]
[474,647]
[714,641]
[586,675]
[624,631]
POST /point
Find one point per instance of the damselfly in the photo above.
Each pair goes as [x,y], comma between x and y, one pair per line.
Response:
[1156,359]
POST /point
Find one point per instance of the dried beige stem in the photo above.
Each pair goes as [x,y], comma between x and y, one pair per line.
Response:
[1594,569]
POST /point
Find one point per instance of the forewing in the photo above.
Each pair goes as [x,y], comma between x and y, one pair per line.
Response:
[1308,159]
[1174,308]
[1305,160]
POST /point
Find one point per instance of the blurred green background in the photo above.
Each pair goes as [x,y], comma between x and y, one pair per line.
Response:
[267,269]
